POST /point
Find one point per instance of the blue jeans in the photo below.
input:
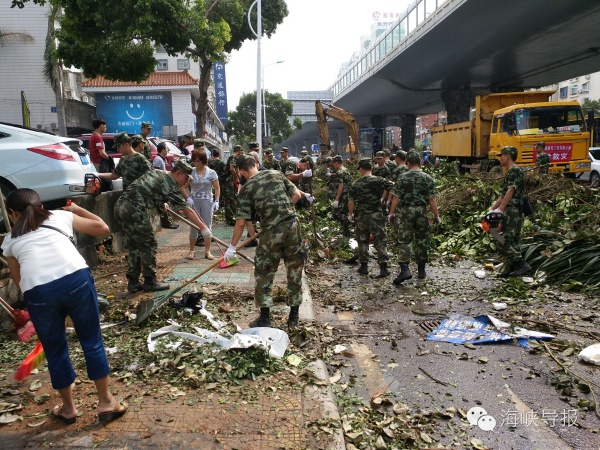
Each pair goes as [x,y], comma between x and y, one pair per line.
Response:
[48,305]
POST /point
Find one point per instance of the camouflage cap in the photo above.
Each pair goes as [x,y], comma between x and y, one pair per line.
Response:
[121,138]
[199,143]
[328,159]
[401,155]
[136,139]
[284,149]
[182,166]
[337,158]
[269,151]
[379,155]
[304,153]
[541,144]
[510,150]
[146,125]
[252,145]
[237,148]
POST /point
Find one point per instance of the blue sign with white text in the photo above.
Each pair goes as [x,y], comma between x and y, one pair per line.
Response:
[125,111]
[220,91]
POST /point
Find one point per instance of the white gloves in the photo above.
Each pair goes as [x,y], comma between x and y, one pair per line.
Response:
[230,253]
[206,233]
[390,218]
[336,204]
[166,206]
[497,210]
[190,201]
[215,206]
[307,173]
[351,218]
[328,174]
[309,197]
[437,220]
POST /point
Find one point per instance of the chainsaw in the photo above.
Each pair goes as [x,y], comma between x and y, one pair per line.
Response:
[491,223]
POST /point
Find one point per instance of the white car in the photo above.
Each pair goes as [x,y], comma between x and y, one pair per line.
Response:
[594,174]
[53,166]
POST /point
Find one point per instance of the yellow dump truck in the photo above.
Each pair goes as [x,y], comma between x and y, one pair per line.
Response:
[520,119]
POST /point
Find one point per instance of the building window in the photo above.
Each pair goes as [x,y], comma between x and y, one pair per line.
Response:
[162,64]
[574,90]
[183,64]
[563,92]
[585,87]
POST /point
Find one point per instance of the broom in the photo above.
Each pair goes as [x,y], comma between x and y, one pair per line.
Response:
[21,320]
[31,361]
[225,264]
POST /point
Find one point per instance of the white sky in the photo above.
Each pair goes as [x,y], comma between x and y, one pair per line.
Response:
[314,40]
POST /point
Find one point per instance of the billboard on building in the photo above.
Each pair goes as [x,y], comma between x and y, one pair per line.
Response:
[220,91]
[125,111]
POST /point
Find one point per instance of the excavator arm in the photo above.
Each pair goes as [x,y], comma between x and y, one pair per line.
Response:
[343,116]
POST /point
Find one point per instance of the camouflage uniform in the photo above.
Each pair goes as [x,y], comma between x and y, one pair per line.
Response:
[413,189]
[229,193]
[391,165]
[268,194]
[147,152]
[366,192]
[272,165]
[219,166]
[331,185]
[151,190]
[340,213]
[512,221]
[543,159]
[130,168]
[398,170]
[287,167]
[383,171]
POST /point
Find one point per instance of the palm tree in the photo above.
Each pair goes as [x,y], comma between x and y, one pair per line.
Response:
[53,68]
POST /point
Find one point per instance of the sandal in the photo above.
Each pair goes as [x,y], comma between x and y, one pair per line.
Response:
[57,412]
[190,255]
[120,409]
[209,256]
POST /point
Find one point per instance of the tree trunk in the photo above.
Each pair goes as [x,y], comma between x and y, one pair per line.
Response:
[55,78]
[201,110]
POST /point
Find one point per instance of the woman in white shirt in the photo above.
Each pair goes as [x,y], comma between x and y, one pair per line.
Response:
[204,181]
[56,282]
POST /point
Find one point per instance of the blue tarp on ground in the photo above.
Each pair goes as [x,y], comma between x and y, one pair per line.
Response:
[482,330]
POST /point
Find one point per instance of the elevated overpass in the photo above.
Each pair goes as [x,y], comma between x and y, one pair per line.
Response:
[443,52]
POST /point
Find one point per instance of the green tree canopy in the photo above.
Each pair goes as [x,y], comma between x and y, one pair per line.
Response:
[242,121]
[591,105]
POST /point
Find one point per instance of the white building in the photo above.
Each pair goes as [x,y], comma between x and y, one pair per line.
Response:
[585,87]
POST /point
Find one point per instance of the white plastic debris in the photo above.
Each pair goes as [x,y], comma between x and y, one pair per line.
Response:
[480,274]
[499,306]
[591,354]
[527,280]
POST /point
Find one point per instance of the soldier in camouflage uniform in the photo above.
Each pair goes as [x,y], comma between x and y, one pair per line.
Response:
[365,198]
[509,204]
[132,164]
[301,177]
[270,195]
[285,165]
[391,165]
[413,191]
[146,130]
[340,182]
[270,163]
[400,166]
[542,159]
[383,171]
[218,165]
[151,190]
[231,186]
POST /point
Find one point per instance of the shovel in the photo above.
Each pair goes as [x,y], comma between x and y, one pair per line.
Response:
[147,307]
[318,238]
[193,225]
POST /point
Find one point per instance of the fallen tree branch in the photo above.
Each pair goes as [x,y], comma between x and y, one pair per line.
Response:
[443,383]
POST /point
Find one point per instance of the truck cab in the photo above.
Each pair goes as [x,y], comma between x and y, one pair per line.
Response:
[560,125]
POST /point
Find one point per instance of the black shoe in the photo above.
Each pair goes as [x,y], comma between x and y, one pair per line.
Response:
[151,285]
[170,226]
[351,260]
[520,268]
[383,270]
[134,285]
[363,269]
[404,274]
[421,271]
[200,241]
[293,317]
[264,320]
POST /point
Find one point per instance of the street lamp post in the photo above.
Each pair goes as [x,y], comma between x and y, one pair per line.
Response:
[258,34]
[263,96]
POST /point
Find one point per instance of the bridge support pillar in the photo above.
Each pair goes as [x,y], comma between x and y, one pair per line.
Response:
[458,104]
[408,123]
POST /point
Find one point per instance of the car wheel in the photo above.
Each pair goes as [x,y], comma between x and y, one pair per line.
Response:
[594,178]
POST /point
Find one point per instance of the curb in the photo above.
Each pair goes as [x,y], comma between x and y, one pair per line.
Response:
[322,396]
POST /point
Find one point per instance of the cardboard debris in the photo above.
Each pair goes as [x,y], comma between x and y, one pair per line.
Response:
[482,330]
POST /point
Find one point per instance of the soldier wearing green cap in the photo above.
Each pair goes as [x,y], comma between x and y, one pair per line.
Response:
[339,186]
[509,205]
[152,189]
[132,164]
[542,160]
[270,162]
[146,130]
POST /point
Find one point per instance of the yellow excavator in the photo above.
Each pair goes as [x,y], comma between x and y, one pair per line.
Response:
[325,110]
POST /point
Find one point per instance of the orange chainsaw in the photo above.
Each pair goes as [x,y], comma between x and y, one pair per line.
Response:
[492,223]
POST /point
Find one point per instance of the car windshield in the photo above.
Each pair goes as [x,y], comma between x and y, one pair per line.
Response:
[595,153]
[549,120]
